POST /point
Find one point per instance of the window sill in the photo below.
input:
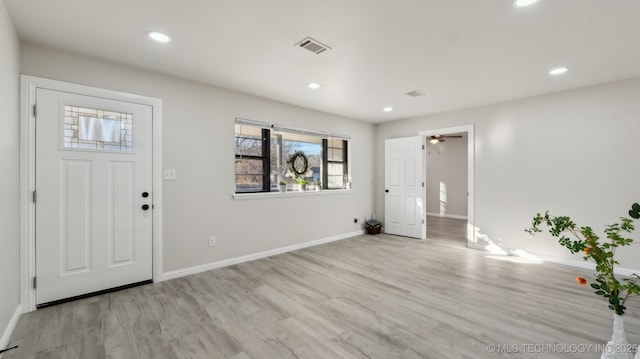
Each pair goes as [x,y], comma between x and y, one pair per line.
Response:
[264,195]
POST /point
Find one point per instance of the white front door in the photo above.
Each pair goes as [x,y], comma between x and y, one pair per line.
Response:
[93,183]
[404,211]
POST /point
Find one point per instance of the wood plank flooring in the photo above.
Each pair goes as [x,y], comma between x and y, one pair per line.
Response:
[450,229]
[367,297]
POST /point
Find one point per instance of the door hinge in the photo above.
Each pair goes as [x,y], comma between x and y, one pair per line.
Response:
[35,110]
[35,196]
[423,221]
[422,184]
[423,147]
[35,282]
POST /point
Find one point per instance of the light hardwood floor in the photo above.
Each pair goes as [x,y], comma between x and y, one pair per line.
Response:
[449,229]
[367,297]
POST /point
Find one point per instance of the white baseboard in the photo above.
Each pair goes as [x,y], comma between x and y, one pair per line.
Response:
[251,257]
[8,331]
[585,265]
[446,215]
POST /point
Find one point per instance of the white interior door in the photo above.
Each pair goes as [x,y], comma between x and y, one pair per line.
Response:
[93,181]
[404,210]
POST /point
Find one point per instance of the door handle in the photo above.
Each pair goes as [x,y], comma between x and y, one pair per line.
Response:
[386,191]
[145,207]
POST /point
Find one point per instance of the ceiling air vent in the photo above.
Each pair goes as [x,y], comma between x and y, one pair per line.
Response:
[415,93]
[313,45]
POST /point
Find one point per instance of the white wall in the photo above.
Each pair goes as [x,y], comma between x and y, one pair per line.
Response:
[198,142]
[573,153]
[447,177]
[10,179]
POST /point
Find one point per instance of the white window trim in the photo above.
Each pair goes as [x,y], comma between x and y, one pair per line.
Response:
[288,194]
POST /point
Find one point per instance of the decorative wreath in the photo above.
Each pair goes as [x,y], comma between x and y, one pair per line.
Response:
[297,163]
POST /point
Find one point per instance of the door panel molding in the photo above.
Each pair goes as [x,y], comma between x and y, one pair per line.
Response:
[28,86]
[120,212]
[75,227]
[403,187]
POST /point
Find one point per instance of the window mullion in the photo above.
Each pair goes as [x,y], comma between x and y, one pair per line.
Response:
[325,163]
[345,168]
[279,157]
[248,157]
[266,162]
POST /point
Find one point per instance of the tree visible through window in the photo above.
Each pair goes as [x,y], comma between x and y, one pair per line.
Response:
[252,159]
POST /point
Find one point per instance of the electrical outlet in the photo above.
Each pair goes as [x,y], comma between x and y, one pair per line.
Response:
[212,241]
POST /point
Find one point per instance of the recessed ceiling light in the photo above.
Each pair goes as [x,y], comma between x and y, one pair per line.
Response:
[159,37]
[313,86]
[558,71]
[524,3]
[387,109]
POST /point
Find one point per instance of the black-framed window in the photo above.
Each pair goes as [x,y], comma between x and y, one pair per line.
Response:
[336,171]
[252,159]
[263,152]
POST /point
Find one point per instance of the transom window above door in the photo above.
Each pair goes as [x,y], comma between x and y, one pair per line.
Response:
[95,129]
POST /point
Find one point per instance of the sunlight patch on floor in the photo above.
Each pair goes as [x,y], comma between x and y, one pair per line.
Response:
[514,259]
[498,252]
[518,256]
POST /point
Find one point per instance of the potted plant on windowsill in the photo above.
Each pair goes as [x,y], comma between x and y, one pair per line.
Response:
[606,283]
[282,186]
[303,184]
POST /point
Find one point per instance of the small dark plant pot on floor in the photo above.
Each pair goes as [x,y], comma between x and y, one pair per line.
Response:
[372,226]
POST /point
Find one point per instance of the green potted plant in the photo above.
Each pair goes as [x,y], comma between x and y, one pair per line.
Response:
[282,186]
[303,184]
[606,283]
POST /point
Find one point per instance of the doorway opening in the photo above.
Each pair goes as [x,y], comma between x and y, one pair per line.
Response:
[446,187]
[448,176]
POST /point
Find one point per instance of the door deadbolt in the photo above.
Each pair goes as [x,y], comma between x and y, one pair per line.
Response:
[145,207]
